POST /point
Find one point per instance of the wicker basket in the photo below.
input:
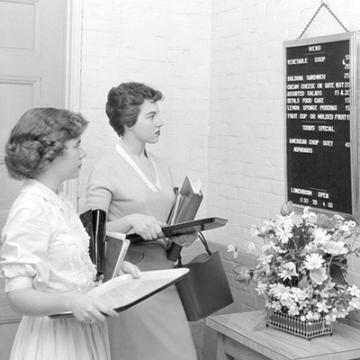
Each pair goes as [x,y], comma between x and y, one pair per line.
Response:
[293,325]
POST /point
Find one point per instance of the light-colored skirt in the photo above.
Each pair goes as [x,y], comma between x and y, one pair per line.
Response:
[156,328]
[43,338]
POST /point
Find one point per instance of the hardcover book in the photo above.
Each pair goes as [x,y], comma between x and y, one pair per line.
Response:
[123,292]
[187,202]
[186,205]
[116,246]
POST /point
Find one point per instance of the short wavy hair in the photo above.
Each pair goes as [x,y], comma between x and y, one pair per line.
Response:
[124,101]
[38,138]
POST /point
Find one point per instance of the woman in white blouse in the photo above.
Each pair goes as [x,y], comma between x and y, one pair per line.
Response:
[44,256]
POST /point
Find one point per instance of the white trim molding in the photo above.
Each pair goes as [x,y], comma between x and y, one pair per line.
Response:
[73,75]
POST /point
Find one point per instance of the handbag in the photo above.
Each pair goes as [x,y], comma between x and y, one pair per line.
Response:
[205,289]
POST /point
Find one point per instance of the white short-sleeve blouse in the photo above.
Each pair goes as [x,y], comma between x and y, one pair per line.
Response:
[44,244]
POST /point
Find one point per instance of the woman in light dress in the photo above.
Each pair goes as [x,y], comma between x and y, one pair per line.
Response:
[44,254]
[136,190]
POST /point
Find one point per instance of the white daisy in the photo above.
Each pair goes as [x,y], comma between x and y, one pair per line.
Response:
[284,235]
[354,291]
[313,261]
[321,236]
[322,307]
[288,271]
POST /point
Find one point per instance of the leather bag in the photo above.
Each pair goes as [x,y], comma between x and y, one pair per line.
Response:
[205,289]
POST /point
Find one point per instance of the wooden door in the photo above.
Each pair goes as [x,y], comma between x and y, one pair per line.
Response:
[32,74]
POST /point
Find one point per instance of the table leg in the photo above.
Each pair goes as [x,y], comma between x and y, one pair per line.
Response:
[220,353]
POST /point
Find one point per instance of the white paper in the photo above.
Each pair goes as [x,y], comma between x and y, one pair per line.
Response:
[124,290]
[116,235]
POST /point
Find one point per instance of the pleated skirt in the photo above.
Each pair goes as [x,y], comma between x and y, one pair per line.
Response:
[43,338]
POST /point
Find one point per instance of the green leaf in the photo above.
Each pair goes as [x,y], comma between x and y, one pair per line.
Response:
[337,275]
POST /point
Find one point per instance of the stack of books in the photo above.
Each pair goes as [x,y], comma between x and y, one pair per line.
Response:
[186,205]
[187,202]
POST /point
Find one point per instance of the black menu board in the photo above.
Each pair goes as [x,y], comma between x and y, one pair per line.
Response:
[318,123]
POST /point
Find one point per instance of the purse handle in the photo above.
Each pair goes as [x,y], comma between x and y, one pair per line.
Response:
[204,242]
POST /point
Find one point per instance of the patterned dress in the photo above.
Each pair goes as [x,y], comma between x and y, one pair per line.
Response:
[46,247]
[156,328]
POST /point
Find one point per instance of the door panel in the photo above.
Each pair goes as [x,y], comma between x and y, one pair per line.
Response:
[32,74]
[14,37]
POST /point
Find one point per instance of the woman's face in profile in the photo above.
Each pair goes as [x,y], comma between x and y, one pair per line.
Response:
[68,164]
[148,124]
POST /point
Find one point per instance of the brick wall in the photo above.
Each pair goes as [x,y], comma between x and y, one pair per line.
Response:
[165,44]
[220,66]
[246,137]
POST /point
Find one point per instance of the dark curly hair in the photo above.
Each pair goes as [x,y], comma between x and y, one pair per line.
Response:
[38,138]
[124,101]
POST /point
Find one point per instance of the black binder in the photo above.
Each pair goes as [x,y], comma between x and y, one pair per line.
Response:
[186,227]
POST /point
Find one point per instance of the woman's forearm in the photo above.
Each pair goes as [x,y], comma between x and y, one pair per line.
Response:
[148,227]
[32,302]
[85,308]
[122,225]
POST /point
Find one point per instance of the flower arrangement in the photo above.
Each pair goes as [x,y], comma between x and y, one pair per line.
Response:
[302,266]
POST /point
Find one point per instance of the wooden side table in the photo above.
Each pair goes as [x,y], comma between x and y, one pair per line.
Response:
[244,336]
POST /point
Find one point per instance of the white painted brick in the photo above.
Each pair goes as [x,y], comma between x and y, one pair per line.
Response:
[220,65]
[165,44]
[247,95]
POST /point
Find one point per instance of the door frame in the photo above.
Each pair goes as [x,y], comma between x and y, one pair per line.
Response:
[73,75]
[72,58]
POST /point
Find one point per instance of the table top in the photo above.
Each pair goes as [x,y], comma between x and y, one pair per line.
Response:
[249,329]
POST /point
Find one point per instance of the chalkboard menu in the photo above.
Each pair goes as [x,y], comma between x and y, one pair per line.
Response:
[320,146]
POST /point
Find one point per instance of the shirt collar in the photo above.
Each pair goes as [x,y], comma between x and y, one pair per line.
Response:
[34,186]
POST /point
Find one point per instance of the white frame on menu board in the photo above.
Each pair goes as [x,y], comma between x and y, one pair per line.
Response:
[352,38]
